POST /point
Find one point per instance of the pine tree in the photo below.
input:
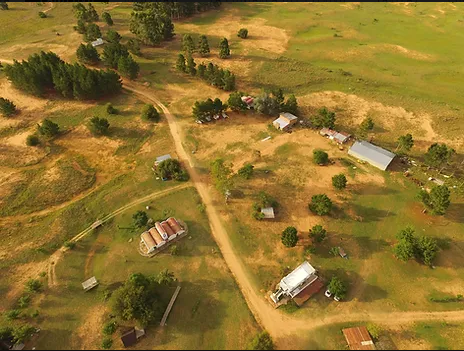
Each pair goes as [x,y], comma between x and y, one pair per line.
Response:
[201,70]
[48,128]
[228,81]
[128,67]
[203,46]
[7,107]
[134,47]
[107,18]
[92,15]
[224,51]
[113,37]
[92,32]
[87,54]
[188,45]
[80,28]
[191,66]
[180,65]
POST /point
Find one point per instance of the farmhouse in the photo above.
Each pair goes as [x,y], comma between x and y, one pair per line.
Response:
[97,42]
[339,137]
[358,338]
[268,212]
[302,280]
[160,234]
[372,154]
[160,159]
[285,121]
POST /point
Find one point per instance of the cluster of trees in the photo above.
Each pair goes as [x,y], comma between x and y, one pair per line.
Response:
[235,102]
[213,74]
[84,15]
[202,110]
[47,72]
[272,104]
[409,246]
[151,23]
[320,157]
[172,169]
[140,219]
[263,200]
[320,204]
[323,119]
[116,55]
[222,175]
[437,201]
[87,54]
[189,47]
[7,107]
[139,298]
[177,10]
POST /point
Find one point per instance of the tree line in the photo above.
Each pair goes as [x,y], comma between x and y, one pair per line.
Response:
[177,10]
[46,72]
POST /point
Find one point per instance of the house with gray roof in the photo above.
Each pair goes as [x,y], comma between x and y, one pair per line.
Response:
[285,121]
[372,154]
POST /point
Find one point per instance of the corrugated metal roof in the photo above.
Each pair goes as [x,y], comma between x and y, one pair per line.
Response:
[288,115]
[358,338]
[97,42]
[375,155]
[297,276]
[282,122]
[163,158]
[268,212]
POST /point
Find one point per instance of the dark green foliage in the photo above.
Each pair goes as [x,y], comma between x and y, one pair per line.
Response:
[7,107]
[80,11]
[46,71]
[427,249]
[456,298]
[48,128]
[133,46]
[150,113]
[42,14]
[91,15]
[203,46]
[289,237]
[318,233]
[112,53]
[221,174]
[405,142]
[324,118]
[81,27]
[128,67]
[366,125]
[438,200]
[138,299]
[171,169]
[112,36]
[180,64]
[110,109]
[99,126]
[320,204]
[3,5]
[87,54]
[228,81]
[22,333]
[409,246]
[109,328]
[140,219]
[337,287]
[176,10]
[6,332]
[438,154]
[107,18]
[92,32]
[278,96]
[12,315]
[266,200]
[208,108]
[224,51]
[262,341]
[235,102]
[191,66]
[291,105]
[24,301]
[242,33]
[246,171]
[188,45]
[33,285]
[201,70]
[151,27]
[320,157]
[107,343]
[165,277]
[32,140]
[267,105]
[339,181]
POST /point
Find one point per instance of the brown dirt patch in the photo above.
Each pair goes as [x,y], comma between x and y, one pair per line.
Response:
[22,101]
[88,335]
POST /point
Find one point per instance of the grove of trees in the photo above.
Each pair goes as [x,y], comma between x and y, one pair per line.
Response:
[235,102]
[409,246]
[438,200]
[224,51]
[206,109]
[87,54]
[318,233]
[213,74]
[323,118]
[45,72]
[272,104]
[246,171]
[261,341]
[116,55]
[337,287]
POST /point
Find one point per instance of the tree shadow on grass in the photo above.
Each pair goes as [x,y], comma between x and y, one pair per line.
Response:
[371,189]
[455,213]
[370,214]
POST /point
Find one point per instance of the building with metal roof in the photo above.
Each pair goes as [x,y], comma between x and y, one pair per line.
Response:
[90,284]
[285,121]
[358,338]
[160,159]
[98,42]
[268,212]
[372,154]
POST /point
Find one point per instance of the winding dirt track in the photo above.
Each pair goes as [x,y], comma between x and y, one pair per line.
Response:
[277,324]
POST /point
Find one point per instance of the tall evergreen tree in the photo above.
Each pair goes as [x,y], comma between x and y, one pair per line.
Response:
[151,28]
[224,51]
[134,47]
[112,52]
[92,32]
[128,67]
[228,81]
[180,65]
[191,66]
[203,46]
[87,54]
[7,107]
[92,15]
[80,28]
[107,18]
[188,45]
[112,36]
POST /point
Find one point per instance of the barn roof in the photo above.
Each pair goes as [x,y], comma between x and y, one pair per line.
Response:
[268,212]
[373,154]
[358,338]
[160,159]
[288,115]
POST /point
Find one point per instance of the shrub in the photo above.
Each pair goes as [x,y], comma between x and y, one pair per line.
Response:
[289,237]
[246,171]
[69,245]
[24,301]
[339,181]
[109,328]
[22,333]
[32,140]
[320,157]
[99,126]
[242,33]
[107,343]
[7,107]
[110,109]
[12,314]
[262,341]
[318,233]
[42,14]
[374,330]
[33,285]
[150,113]
[320,204]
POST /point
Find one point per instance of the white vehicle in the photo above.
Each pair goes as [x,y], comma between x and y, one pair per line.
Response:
[336,298]
[208,118]
[198,121]
[216,117]
[328,293]
[224,115]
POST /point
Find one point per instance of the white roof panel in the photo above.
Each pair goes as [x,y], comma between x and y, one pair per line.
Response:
[372,154]
[297,276]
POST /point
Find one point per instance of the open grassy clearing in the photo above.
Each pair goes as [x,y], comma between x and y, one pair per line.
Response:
[107,254]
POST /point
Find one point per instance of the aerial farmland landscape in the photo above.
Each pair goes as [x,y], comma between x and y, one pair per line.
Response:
[231,175]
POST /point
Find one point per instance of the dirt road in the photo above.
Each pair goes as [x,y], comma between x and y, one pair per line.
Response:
[278,325]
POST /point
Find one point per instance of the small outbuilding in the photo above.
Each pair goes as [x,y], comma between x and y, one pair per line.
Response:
[90,284]
[268,212]
[358,338]
[98,42]
[129,338]
[160,159]
[372,154]
[285,121]
[339,137]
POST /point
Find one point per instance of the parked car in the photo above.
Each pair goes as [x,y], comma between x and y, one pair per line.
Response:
[328,293]
[224,115]
[336,298]
[216,117]
[198,121]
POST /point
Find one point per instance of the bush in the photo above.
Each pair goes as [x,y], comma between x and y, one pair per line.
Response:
[33,285]
[320,157]
[242,33]
[374,330]
[309,250]
[22,333]
[69,245]
[42,14]
[48,128]
[262,341]
[109,328]
[140,219]
[99,126]
[320,204]
[318,233]
[7,107]
[339,181]
[12,314]
[290,237]
[32,140]
[110,109]
[150,113]
[246,171]
[107,343]
[24,301]
[337,287]
[290,307]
